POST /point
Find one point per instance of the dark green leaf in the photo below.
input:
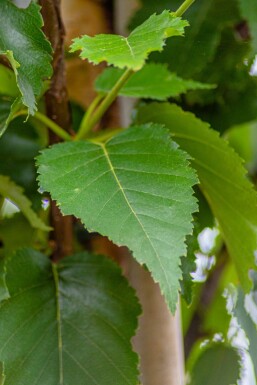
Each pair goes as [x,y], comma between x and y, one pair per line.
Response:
[217,365]
[131,52]
[136,189]
[222,179]
[69,323]
[26,48]
[153,81]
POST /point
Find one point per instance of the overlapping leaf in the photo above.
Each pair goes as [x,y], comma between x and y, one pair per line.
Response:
[153,81]
[26,48]
[8,85]
[222,177]
[217,364]
[136,189]
[132,51]
[13,192]
[67,324]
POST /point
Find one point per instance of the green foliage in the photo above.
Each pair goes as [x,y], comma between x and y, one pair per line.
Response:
[222,180]
[9,190]
[2,375]
[20,34]
[131,52]
[217,364]
[249,11]
[153,81]
[141,179]
[8,85]
[67,323]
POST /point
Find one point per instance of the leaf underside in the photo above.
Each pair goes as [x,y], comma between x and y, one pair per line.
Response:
[26,48]
[222,179]
[131,52]
[153,81]
[69,323]
[136,189]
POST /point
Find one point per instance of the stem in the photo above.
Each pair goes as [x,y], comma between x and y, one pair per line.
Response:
[108,100]
[105,135]
[83,129]
[183,8]
[59,131]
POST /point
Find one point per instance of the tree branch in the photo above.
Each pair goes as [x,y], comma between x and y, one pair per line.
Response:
[57,108]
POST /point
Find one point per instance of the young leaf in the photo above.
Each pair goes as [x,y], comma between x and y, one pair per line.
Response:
[136,189]
[69,323]
[132,51]
[9,190]
[153,81]
[249,11]
[222,178]
[26,48]
[217,364]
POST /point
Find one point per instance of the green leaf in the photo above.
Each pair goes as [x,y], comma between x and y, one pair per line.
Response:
[2,375]
[69,323]
[8,110]
[248,10]
[8,84]
[19,165]
[222,179]
[131,52]
[236,301]
[136,189]
[4,293]
[153,81]
[217,365]
[26,48]
[13,192]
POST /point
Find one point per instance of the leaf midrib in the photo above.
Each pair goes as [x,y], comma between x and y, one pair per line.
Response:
[131,208]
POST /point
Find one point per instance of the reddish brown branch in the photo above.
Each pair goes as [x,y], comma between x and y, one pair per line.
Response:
[57,108]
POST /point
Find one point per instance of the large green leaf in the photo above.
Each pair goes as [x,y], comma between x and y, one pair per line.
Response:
[153,81]
[132,51]
[136,189]
[222,178]
[4,293]
[25,46]
[249,11]
[217,365]
[69,323]
[13,192]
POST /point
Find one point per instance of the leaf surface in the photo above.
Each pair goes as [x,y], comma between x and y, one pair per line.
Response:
[69,323]
[13,192]
[218,364]
[153,81]
[8,84]
[222,179]
[25,46]
[132,51]
[136,189]
[2,375]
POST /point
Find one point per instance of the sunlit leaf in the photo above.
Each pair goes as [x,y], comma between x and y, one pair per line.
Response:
[26,48]
[153,81]
[136,189]
[132,51]
[222,179]
[69,323]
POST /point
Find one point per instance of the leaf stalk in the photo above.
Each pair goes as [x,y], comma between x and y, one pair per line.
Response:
[184,7]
